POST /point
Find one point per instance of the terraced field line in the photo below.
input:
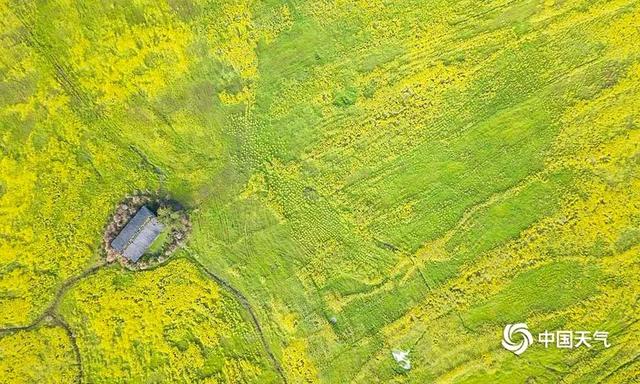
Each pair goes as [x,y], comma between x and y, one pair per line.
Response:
[247,306]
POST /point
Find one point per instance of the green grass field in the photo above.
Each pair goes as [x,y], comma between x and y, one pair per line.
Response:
[361,176]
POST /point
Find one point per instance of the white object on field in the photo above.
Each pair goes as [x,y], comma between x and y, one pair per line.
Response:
[402,358]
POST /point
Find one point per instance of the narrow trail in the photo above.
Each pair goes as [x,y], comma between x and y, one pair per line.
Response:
[242,299]
[51,309]
[53,318]
[86,108]
[59,321]
[51,315]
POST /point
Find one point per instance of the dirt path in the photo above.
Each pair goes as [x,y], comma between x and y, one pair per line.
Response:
[51,316]
[242,299]
[85,108]
[50,311]
[59,321]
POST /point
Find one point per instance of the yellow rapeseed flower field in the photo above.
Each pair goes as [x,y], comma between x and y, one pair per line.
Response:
[365,180]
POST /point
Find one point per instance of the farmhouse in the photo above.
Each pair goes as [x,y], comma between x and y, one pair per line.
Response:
[136,237]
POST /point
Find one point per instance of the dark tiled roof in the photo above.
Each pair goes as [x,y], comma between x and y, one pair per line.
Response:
[148,233]
[136,237]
